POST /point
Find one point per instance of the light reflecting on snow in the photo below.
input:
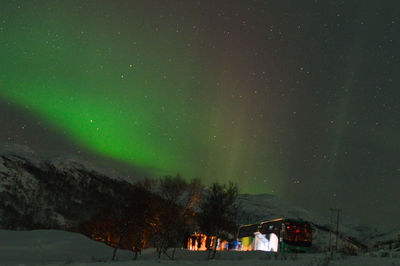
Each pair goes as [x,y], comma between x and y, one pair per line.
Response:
[51,247]
[262,243]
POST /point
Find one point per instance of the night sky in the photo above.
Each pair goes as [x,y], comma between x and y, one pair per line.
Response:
[298,99]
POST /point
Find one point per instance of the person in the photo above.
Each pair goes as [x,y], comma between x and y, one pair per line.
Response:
[198,242]
[193,242]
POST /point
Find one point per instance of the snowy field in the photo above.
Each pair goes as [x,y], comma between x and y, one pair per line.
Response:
[52,247]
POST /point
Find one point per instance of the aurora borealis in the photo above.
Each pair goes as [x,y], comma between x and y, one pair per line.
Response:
[298,99]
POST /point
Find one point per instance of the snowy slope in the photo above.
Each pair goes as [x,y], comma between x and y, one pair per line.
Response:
[59,192]
[41,247]
[264,207]
[52,247]
[59,160]
[50,193]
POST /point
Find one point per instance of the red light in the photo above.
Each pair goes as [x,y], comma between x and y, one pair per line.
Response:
[287,227]
[297,231]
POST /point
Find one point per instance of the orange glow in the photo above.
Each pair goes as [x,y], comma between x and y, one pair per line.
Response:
[222,245]
[197,242]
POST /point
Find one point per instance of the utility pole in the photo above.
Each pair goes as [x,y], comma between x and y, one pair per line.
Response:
[337,227]
[330,235]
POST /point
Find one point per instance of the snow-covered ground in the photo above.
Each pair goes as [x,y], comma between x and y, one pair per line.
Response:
[52,247]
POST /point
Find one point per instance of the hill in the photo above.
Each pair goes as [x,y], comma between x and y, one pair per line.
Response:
[62,192]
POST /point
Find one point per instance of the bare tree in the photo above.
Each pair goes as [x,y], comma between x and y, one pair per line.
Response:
[144,211]
[179,197]
[137,218]
[218,211]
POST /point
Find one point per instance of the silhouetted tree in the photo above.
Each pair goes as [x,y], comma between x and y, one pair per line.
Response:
[178,199]
[218,210]
[144,208]
[126,220]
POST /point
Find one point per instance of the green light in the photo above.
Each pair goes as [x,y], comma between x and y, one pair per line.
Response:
[129,93]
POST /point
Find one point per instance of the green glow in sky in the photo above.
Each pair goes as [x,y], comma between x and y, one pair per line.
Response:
[298,100]
[144,94]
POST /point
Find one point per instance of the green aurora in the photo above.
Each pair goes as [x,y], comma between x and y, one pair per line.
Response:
[294,98]
[137,93]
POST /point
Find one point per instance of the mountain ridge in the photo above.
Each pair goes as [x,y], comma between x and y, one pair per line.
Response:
[62,192]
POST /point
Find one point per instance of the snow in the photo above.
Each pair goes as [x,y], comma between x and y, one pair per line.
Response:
[52,247]
[19,151]
[264,207]
[62,161]
[58,248]
[40,247]
[393,234]
[67,162]
[12,148]
[3,169]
